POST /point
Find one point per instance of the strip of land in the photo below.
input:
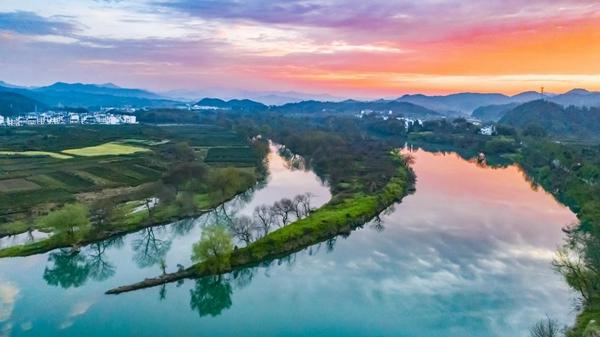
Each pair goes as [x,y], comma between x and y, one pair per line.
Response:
[339,216]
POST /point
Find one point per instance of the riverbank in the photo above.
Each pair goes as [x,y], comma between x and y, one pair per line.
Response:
[338,217]
[130,224]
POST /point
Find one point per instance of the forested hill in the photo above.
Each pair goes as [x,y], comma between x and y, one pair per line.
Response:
[354,107]
[571,122]
[13,104]
[245,105]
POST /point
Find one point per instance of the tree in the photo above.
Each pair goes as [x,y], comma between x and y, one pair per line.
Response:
[241,228]
[183,175]
[215,246]
[227,182]
[187,202]
[180,152]
[68,219]
[545,328]
[283,209]
[302,205]
[103,211]
[264,218]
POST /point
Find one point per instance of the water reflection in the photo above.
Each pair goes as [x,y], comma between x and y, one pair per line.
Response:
[69,268]
[467,255]
[149,248]
[211,296]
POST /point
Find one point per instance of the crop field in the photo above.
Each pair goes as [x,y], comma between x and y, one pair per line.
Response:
[42,168]
[17,185]
[107,149]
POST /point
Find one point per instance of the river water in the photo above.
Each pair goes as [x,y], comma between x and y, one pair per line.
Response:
[468,254]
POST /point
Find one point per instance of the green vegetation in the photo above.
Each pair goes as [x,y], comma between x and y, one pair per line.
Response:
[570,171]
[570,122]
[120,188]
[365,177]
[108,149]
[215,246]
[67,220]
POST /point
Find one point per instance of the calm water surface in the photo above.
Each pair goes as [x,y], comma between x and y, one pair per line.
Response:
[467,255]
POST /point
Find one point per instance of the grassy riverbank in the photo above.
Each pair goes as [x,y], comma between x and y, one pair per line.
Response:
[340,216]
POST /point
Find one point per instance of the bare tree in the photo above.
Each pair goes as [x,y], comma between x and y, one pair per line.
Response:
[264,218]
[303,202]
[242,228]
[573,267]
[283,209]
[545,328]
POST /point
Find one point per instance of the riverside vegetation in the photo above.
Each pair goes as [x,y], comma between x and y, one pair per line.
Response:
[122,179]
[365,177]
[568,169]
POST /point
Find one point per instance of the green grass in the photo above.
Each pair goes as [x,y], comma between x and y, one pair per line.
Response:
[107,149]
[228,155]
[331,219]
[35,154]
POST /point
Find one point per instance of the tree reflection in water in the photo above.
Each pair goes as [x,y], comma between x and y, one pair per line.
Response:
[72,268]
[211,295]
[69,269]
[148,249]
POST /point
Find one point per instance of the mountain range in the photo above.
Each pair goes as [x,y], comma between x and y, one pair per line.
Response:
[483,106]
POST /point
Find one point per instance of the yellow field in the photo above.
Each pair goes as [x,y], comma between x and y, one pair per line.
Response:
[35,153]
[108,149]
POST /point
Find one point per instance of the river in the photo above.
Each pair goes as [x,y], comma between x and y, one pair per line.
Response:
[468,254]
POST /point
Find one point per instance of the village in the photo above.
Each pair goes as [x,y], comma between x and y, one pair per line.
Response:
[65,117]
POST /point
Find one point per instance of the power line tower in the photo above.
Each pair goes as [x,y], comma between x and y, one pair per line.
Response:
[542,92]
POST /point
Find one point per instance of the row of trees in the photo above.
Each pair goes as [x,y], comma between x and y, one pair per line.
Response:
[216,243]
[265,218]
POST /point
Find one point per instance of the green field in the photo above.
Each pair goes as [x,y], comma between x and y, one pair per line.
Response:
[17,185]
[108,149]
[43,168]
[35,154]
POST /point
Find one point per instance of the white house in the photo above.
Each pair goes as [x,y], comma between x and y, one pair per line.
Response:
[73,118]
[129,119]
[112,120]
[488,130]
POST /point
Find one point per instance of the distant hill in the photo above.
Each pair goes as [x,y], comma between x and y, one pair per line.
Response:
[245,105]
[91,95]
[464,103]
[573,122]
[578,97]
[14,104]
[354,107]
[493,113]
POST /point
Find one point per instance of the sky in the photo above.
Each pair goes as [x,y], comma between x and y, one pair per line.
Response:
[375,48]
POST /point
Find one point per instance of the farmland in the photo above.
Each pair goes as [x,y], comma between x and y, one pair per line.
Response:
[41,173]
[108,149]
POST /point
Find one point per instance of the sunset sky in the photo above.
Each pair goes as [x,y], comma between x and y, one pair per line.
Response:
[370,48]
